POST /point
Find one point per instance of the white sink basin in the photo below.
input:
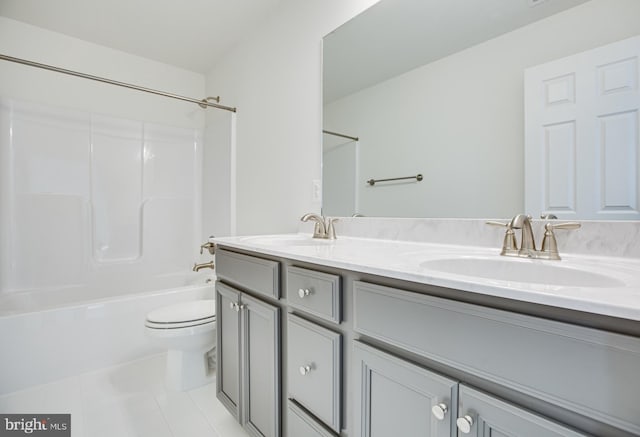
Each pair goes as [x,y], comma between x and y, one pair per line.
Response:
[522,271]
[284,240]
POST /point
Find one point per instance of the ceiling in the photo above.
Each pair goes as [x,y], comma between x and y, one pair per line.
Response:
[395,36]
[191,34]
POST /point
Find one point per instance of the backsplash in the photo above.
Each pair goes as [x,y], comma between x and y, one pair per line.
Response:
[596,238]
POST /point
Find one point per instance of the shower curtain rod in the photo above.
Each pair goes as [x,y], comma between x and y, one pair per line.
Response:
[349,137]
[204,103]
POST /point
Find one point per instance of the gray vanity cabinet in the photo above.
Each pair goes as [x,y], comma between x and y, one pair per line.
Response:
[395,398]
[482,415]
[366,356]
[248,374]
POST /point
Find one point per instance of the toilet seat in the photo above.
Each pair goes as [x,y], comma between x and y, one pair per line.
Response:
[182,315]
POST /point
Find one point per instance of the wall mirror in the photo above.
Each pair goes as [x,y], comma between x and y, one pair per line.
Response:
[436,88]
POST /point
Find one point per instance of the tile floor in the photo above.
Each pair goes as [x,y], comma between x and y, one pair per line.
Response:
[128,400]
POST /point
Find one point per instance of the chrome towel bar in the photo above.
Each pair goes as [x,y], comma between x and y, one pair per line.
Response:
[373,181]
[349,137]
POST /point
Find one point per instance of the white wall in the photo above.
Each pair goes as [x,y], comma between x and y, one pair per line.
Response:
[36,44]
[460,120]
[218,176]
[274,78]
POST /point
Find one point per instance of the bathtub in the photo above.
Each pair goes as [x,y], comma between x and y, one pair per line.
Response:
[51,334]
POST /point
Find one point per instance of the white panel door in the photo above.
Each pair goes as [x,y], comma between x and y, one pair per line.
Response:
[582,134]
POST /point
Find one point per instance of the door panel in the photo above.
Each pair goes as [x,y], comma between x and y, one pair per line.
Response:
[492,417]
[582,121]
[228,348]
[395,397]
[261,367]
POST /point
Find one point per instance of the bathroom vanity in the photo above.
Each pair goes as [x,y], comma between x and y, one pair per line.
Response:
[365,337]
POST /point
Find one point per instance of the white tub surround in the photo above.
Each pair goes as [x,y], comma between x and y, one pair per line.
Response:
[599,272]
[87,197]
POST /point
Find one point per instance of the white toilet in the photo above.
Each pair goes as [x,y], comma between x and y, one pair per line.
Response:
[188,331]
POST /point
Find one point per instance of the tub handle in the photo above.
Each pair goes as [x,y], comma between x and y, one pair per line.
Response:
[209,245]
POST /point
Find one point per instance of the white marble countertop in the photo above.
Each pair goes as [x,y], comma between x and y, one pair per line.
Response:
[603,285]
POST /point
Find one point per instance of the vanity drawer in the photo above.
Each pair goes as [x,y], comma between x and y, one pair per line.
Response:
[583,370]
[252,273]
[314,361]
[301,424]
[315,292]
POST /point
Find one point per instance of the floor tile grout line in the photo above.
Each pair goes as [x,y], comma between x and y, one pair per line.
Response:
[164,418]
[203,414]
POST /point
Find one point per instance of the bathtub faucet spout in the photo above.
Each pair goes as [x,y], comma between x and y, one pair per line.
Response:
[198,267]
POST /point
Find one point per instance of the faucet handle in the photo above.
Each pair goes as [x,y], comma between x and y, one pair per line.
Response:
[331,229]
[549,248]
[509,245]
[494,223]
[565,225]
[210,246]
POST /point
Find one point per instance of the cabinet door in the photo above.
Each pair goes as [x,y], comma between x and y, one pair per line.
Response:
[228,348]
[396,398]
[260,367]
[482,415]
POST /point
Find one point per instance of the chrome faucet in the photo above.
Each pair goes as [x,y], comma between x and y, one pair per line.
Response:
[323,228]
[211,247]
[198,267]
[527,249]
[527,241]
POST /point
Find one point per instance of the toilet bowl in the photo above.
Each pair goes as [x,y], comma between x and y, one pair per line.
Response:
[188,331]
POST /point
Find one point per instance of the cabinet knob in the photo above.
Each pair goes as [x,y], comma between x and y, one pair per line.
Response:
[232,305]
[439,411]
[464,424]
[303,292]
[305,369]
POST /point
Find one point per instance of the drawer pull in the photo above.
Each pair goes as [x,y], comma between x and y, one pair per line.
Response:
[305,369]
[303,292]
[439,411]
[235,306]
[464,424]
